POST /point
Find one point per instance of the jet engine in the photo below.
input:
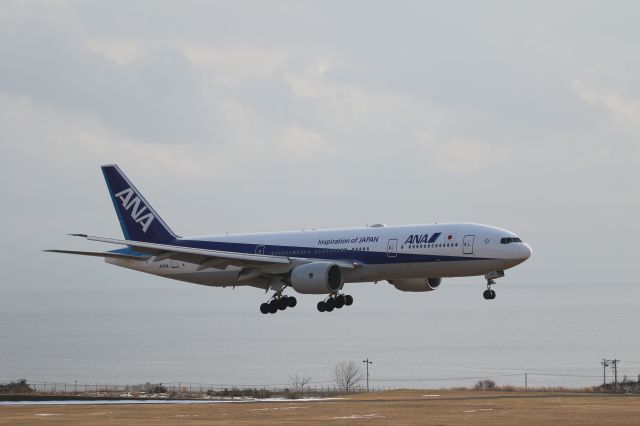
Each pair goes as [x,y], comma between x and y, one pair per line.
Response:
[416,284]
[317,278]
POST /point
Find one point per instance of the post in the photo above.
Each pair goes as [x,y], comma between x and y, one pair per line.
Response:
[605,364]
[525,382]
[366,361]
[615,362]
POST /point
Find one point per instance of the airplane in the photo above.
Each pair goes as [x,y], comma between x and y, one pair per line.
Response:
[412,258]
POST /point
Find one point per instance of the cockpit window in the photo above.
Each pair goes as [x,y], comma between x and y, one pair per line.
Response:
[509,240]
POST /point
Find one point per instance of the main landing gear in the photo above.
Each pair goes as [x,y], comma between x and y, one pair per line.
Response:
[279,302]
[335,301]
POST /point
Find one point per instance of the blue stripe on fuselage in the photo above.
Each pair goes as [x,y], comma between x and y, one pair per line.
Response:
[368,257]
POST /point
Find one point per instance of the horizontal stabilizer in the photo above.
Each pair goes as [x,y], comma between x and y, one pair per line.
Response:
[98,254]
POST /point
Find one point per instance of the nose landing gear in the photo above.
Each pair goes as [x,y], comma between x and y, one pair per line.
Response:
[335,301]
[489,294]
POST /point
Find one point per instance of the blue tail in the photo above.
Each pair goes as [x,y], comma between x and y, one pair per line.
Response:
[139,221]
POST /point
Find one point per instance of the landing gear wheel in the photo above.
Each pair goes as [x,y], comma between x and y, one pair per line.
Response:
[273,306]
[265,308]
[282,303]
[489,294]
[348,300]
[340,302]
[330,304]
[322,306]
[291,301]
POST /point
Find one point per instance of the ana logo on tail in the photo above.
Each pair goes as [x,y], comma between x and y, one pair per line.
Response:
[130,199]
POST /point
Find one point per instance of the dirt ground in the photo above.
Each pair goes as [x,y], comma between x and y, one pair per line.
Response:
[408,407]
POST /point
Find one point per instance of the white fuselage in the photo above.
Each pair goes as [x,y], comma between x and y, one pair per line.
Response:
[378,253]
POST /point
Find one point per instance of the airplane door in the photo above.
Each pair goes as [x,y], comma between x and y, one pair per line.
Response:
[174,263]
[260,250]
[392,248]
[467,244]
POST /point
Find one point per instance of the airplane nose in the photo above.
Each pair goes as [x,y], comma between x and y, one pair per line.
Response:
[525,251]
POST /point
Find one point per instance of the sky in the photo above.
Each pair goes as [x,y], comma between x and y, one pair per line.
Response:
[262,116]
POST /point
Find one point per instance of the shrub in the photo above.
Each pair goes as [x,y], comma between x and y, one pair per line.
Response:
[155,388]
[18,386]
[246,393]
[485,385]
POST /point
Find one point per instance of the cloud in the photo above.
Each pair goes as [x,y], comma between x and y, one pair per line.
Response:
[153,95]
[231,97]
[61,142]
[619,145]
[299,143]
[120,51]
[231,65]
[459,155]
[626,111]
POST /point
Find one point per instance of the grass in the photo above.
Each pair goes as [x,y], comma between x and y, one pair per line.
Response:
[401,407]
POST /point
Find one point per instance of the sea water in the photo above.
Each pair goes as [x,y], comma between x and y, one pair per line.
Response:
[158,330]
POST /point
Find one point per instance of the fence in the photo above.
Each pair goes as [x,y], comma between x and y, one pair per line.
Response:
[174,391]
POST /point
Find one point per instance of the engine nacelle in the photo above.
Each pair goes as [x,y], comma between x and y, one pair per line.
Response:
[416,284]
[317,278]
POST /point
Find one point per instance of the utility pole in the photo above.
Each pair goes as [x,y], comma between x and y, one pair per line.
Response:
[614,363]
[525,382]
[366,361]
[605,364]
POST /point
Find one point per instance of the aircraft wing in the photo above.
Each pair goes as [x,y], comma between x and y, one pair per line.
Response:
[204,257]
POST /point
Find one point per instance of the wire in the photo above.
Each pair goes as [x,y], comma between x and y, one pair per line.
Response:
[429,379]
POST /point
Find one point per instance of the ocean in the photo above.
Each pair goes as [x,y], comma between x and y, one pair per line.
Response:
[157,330]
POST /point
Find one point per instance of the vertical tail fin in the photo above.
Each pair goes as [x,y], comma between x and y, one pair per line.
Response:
[139,221]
